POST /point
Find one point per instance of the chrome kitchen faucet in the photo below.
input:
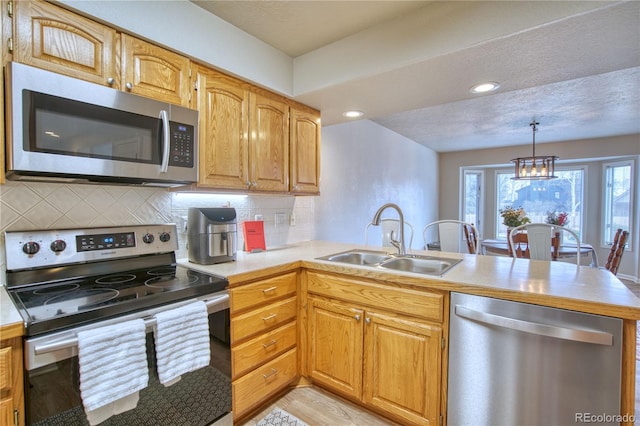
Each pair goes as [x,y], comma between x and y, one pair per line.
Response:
[399,244]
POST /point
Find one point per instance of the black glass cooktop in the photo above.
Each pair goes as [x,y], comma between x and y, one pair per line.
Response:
[72,302]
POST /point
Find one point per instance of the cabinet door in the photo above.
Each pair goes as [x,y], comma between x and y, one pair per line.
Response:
[224,128]
[335,346]
[305,152]
[154,72]
[58,40]
[402,367]
[269,144]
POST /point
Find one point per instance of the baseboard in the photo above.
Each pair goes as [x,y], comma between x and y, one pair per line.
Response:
[631,278]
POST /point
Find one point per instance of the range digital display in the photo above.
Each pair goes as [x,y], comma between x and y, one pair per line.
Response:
[105,241]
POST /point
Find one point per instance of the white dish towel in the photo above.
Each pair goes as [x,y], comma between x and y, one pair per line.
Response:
[113,368]
[182,341]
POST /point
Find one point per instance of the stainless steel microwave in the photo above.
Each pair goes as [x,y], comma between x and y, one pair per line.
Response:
[65,129]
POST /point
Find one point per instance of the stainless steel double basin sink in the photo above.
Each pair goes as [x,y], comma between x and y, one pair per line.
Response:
[419,264]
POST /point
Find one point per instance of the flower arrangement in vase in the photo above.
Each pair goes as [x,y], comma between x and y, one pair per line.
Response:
[555,218]
[512,217]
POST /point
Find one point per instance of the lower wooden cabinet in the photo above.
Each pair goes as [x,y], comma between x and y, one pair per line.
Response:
[264,337]
[385,360]
[11,386]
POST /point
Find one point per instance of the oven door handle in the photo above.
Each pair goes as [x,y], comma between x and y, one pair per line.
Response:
[215,304]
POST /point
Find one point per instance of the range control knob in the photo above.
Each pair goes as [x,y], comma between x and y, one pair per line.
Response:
[31,248]
[165,236]
[148,238]
[58,246]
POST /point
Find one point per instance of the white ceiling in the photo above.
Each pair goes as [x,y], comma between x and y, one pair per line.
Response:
[575,70]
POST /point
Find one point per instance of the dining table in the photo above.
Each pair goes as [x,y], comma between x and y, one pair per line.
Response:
[501,248]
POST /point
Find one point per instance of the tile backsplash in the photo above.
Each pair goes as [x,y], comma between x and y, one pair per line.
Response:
[38,205]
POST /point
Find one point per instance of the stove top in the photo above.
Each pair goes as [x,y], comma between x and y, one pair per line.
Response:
[54,297]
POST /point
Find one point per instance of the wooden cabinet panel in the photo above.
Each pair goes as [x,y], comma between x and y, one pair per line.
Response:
[402,367]
[335,348]
[11,385]
[5,369]
[224,131]
[52,38]
[423,304]
[249,391]
[262,319]
[263,291]
[268,144]
[305,152]
[248,355]
[154,72]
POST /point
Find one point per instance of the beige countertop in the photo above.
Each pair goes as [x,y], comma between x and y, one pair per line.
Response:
[555,284]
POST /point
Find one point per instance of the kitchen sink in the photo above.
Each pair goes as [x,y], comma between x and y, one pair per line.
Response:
[358,257]
[428,265]
[420,264]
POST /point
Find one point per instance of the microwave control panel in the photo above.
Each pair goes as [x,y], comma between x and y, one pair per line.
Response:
[182,145]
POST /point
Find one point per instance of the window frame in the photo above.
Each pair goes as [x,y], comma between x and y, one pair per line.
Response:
[569,167]
[605,201]
[480,199]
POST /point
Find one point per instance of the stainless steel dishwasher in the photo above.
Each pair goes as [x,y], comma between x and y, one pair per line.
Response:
[519,364]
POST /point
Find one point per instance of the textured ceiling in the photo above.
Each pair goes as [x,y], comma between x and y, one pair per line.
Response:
[578,75]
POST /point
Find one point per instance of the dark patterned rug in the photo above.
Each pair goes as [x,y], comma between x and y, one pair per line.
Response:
[189,402]
[279,417]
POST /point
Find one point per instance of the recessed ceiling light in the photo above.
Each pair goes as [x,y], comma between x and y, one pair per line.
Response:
[353,114]
[485,87]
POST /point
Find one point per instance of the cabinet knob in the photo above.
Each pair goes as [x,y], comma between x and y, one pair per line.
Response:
[357,317]
[367,320]
[110,81]
[129,86]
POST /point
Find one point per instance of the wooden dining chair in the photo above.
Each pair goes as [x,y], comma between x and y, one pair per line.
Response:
[450,234]
[617,249]
[541,241]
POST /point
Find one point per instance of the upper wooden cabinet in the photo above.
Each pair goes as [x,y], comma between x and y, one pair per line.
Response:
[224,126]
[305,152]
[49,37]
[154,72]
[268,143]
[244,135]
[52,38]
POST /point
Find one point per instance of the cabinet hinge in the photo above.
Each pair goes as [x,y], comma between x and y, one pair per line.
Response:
[10,9]
[195,85]
[15,417]
[440,420]
[442,343]
[10,45]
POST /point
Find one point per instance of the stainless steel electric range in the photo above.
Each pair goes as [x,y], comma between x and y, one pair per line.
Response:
[66,281]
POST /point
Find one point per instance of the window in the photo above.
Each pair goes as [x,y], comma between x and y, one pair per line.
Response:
[541,197]
[471,203]
[617,203]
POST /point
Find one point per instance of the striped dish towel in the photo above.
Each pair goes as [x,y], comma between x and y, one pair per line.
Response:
[182,341]
[113,368]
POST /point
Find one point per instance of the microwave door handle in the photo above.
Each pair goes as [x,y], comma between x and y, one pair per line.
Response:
[166,142]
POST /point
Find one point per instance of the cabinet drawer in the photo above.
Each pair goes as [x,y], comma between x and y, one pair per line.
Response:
[254,388]
[5,369]
[263,291]
[423,304]
[262,348]
[262,319]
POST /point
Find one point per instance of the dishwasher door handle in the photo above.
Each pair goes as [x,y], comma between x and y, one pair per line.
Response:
[576,335]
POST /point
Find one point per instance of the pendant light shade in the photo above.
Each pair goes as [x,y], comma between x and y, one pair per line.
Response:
[535,167]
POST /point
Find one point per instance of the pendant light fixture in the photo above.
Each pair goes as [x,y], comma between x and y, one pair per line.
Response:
[535,167]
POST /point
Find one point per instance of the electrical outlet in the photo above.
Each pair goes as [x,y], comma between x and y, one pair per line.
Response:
[292,219]
[280,219]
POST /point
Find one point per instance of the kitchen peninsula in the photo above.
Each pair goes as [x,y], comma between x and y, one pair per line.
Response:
[553,284]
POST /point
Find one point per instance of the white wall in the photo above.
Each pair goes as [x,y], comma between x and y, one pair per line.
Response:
[364,166]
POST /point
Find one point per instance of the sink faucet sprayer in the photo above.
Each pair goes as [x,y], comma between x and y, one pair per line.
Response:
[399,244]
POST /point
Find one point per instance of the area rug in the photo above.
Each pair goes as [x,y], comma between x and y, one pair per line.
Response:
[279,417]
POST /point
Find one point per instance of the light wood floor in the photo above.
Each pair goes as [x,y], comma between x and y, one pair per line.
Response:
[317,407]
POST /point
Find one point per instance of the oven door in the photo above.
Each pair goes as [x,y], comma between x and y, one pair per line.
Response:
[64,127]
[200,398]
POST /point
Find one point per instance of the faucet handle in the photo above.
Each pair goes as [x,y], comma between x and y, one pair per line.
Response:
[395,242]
